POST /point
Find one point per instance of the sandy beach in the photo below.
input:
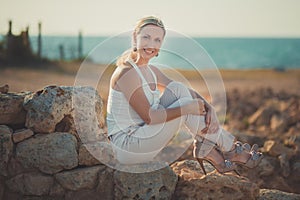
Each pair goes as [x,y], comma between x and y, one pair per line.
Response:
[32,79]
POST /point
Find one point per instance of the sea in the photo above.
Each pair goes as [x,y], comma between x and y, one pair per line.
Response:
[181,51]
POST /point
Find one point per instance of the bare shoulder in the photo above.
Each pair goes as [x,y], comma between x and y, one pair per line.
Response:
[155,69]
[122,74]
[121,70]
[161,77]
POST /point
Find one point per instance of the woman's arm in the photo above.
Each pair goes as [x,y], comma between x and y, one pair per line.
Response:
[162,114]
[196,95]
[163,81]
[211,120]
[129,83]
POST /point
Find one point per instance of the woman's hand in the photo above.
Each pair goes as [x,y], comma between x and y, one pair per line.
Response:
[196,107]
[211,121]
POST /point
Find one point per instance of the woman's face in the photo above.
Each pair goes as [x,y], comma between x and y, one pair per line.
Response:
[149,41]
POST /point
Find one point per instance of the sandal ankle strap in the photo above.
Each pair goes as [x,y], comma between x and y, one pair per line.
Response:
[228,164]
[255,155]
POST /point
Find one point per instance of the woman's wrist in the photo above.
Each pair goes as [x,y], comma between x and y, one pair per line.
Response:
[207,106]
[187,108]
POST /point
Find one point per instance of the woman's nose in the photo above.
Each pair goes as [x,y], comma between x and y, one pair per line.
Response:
[151,44]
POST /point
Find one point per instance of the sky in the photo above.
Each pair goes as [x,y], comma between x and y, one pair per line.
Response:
[204,18]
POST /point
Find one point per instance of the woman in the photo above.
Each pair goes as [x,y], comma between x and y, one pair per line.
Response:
[141,122]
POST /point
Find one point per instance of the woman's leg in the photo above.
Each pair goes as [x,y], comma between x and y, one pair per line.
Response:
[154,137]
[150,138]
[196,123]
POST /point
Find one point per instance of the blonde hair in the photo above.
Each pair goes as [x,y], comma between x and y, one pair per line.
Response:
[131,53]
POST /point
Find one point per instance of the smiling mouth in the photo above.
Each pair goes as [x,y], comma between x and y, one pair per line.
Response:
[148,51]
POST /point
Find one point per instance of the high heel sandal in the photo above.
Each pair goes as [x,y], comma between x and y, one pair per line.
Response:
[253,157]
[206,154]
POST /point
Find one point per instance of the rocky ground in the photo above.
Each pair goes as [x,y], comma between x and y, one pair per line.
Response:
[44,156]
[271,120]
[33,165]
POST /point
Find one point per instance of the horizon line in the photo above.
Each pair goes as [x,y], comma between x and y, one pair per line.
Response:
[188,35]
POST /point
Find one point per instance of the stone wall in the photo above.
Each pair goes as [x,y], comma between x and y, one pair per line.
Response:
[46,152]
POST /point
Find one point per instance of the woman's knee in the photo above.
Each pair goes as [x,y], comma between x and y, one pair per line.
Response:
[175,85]
[178,89]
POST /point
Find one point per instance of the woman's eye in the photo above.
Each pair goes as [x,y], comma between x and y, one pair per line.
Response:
[146,36]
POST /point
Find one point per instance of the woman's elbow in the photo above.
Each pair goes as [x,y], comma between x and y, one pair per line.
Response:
[151,117]
[147,120]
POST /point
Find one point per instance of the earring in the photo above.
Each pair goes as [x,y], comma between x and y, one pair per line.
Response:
[134,49]
[157,54]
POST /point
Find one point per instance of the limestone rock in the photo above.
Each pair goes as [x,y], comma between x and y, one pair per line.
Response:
[95,153]
[56,190]
[105,187]
[11,195]
[265,167]
[30,184]
[6,148]
[274,148]
[49,153]
[4,89]
[66,109]
[190,169]
[88,115]
[84,194]
[262,116]
[15,167]
[22,134]
[294,176]
[213,186]
[79,179]
[284,164]
[1,187]
[46,108]
[85,157]
[11,108]
[278,123]
[159,184]
[296,167]
[280,183]
[266,194]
